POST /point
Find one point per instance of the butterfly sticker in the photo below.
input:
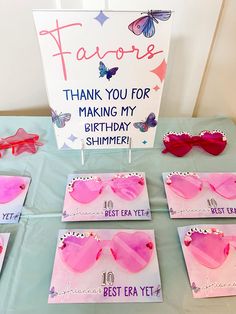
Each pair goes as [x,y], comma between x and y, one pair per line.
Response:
[52,292]
[60,119]
[103,70]
[195,288]
[150,122]
[172,211]
[145,24]
[157,291]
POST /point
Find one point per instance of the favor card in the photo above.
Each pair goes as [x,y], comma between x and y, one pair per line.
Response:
[13,190]
[106,196]
[104,72]
[4,237]
[209,252]
[105,266]
[193,195]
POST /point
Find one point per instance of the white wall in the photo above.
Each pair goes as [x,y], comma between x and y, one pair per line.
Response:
[218,91]
[21,80]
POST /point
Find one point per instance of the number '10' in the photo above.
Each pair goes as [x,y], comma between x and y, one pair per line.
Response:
[108,278]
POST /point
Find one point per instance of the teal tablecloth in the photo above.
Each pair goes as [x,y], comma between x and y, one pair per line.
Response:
[26,274]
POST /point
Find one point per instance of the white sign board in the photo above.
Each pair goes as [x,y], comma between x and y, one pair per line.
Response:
[104,72]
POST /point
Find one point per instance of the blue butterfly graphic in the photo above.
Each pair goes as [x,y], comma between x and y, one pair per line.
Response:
[103,70]
[145,24]
[150,122]
[60,119]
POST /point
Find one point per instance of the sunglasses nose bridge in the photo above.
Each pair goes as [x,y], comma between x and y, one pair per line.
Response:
[105,183]
[196,140]
[106,247]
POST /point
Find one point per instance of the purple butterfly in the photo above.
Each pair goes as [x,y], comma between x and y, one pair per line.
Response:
[150,122]
[65,215]
[157,291]
[103,70]
[60,119]
[52,292]
[172,211]
[145,24]
[195,288]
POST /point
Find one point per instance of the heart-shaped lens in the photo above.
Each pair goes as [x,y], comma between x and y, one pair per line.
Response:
[223,184]
[85,190]
[127,187]
[10,188]
[79,251]
[209,249]
[213,142]
[132,251]
[177,144]
[184,185]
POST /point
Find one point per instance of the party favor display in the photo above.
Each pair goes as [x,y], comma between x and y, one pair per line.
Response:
[192,195]
[13,190]
[104,72]
[106,196]
[105,266]
[209,252]
[4,237]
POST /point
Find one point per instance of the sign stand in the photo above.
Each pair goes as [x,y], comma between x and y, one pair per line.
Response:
[82,152]
[130,152]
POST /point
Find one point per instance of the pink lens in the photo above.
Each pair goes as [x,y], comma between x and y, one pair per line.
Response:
[79,251]
[209,249]
[132,251]
[85,190]
[213,142]
[127,187]
[177,144]
[10,188]
[184,185]
[223,184]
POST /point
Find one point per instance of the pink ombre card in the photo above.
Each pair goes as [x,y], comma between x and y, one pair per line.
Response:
[4,238]
[210,257]
[13,190]
[105,266]
[106,196]
[200,194]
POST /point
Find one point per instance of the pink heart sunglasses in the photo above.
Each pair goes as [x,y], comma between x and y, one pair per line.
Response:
[80,251]
[86,189]
[188,185]
[210,247]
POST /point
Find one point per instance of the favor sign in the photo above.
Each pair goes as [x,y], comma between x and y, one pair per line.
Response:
[201,194]
[105,266]
[106,196]
[210,259]
[104,74]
